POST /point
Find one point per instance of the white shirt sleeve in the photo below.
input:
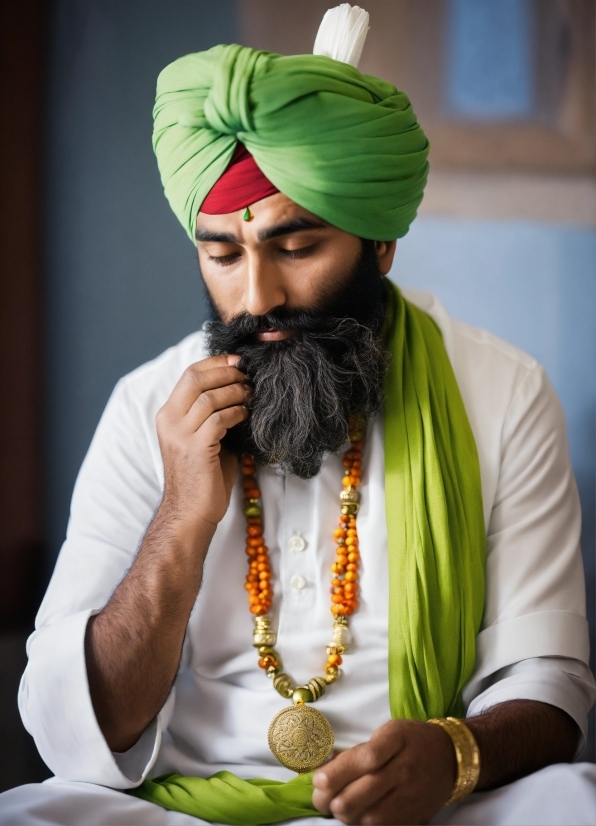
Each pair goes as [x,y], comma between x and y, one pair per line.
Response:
[534,639]
[115,497]
[560,682]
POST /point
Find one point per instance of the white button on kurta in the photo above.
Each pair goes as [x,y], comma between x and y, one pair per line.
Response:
[533,642]
[297,544]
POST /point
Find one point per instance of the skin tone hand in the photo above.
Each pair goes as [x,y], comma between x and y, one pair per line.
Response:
[407,770]
[149,610]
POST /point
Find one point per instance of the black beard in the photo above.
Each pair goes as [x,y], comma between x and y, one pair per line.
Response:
[306,388]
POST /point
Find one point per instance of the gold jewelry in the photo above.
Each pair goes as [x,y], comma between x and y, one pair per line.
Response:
[300,737]
[467,755]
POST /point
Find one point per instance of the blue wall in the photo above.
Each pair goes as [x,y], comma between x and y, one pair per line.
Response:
[122,278]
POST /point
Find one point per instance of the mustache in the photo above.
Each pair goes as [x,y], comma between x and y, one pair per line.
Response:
[241,329]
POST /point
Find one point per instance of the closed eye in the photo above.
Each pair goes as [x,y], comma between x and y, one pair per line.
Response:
[225,260]
[299,253]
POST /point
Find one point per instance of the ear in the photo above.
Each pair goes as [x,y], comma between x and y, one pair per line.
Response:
[385,251]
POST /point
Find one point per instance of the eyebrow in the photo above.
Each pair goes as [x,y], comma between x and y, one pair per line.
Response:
[295,225]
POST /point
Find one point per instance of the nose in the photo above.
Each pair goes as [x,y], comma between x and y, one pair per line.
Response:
[263,288]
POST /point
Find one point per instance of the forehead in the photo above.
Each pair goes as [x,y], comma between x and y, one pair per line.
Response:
[269,212]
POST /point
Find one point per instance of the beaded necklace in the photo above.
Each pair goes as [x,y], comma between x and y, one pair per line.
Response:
[299,736]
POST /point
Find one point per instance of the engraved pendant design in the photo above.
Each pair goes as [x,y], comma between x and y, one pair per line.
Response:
[301,738]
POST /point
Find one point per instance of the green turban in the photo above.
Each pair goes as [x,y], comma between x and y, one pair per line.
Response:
[343,145]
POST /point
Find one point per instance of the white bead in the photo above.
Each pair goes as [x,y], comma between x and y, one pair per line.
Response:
[298,582]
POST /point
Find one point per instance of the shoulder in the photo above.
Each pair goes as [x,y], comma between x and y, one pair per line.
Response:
[501,386]
[489,370]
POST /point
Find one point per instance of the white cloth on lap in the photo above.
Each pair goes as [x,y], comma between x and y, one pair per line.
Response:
[557,796]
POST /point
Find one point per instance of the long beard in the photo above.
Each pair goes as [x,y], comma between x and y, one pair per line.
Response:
[306,388]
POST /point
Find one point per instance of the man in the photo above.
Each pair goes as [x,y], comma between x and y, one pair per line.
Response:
[315,372]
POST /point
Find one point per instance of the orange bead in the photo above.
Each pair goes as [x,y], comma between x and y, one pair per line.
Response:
[252,552]
[254,520]
[337,569]
[263,566]
[263,558]
[254,541]
[249,482]
[351,566]
[351,576]
[254,530]
[353,556]
[344,519]
[253,600]
[352,532]
[248,470]
[339,533]
[346,481]
[336,598]
[341,559]
[354,481]
[253,493]
[259,610]
[356,464]
[358,446]
[346,462]
[350,588]
[264,575]
[334,659]
[335,581]
[266,662]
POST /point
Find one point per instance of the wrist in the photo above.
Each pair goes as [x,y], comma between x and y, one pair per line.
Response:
[186,533]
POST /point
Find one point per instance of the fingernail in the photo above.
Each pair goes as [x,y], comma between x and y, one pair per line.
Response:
[319,779]
[232,360]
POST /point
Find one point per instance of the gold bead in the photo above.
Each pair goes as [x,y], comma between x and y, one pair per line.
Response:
[283,685]
[331,674]
[350,509]
[272,671]
[252,510]
[263,635]
[302,694]
[317,687]
[349,496]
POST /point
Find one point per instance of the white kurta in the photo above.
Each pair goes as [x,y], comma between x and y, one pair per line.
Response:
[533,643]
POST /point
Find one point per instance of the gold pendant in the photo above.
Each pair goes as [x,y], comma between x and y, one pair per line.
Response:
[301,738]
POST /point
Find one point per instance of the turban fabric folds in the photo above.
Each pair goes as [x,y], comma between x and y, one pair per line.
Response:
[343,145]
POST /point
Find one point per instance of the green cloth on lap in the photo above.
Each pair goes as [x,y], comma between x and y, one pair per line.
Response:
[225,798]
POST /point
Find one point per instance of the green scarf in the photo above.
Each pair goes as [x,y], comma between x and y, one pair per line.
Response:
[343,145]
[436,549]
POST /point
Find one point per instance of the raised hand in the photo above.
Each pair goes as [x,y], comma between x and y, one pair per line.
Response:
[208,399]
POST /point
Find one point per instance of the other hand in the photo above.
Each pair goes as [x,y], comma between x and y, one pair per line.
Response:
[404,774]
[206,402]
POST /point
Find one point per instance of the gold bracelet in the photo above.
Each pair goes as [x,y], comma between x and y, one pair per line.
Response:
[467,755]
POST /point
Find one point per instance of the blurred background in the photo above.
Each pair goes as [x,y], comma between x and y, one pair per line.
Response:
[98,277]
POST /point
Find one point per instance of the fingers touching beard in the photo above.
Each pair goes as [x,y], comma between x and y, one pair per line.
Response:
[305,388]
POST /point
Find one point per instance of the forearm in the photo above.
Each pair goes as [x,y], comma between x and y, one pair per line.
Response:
[133,645]
[519,737]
